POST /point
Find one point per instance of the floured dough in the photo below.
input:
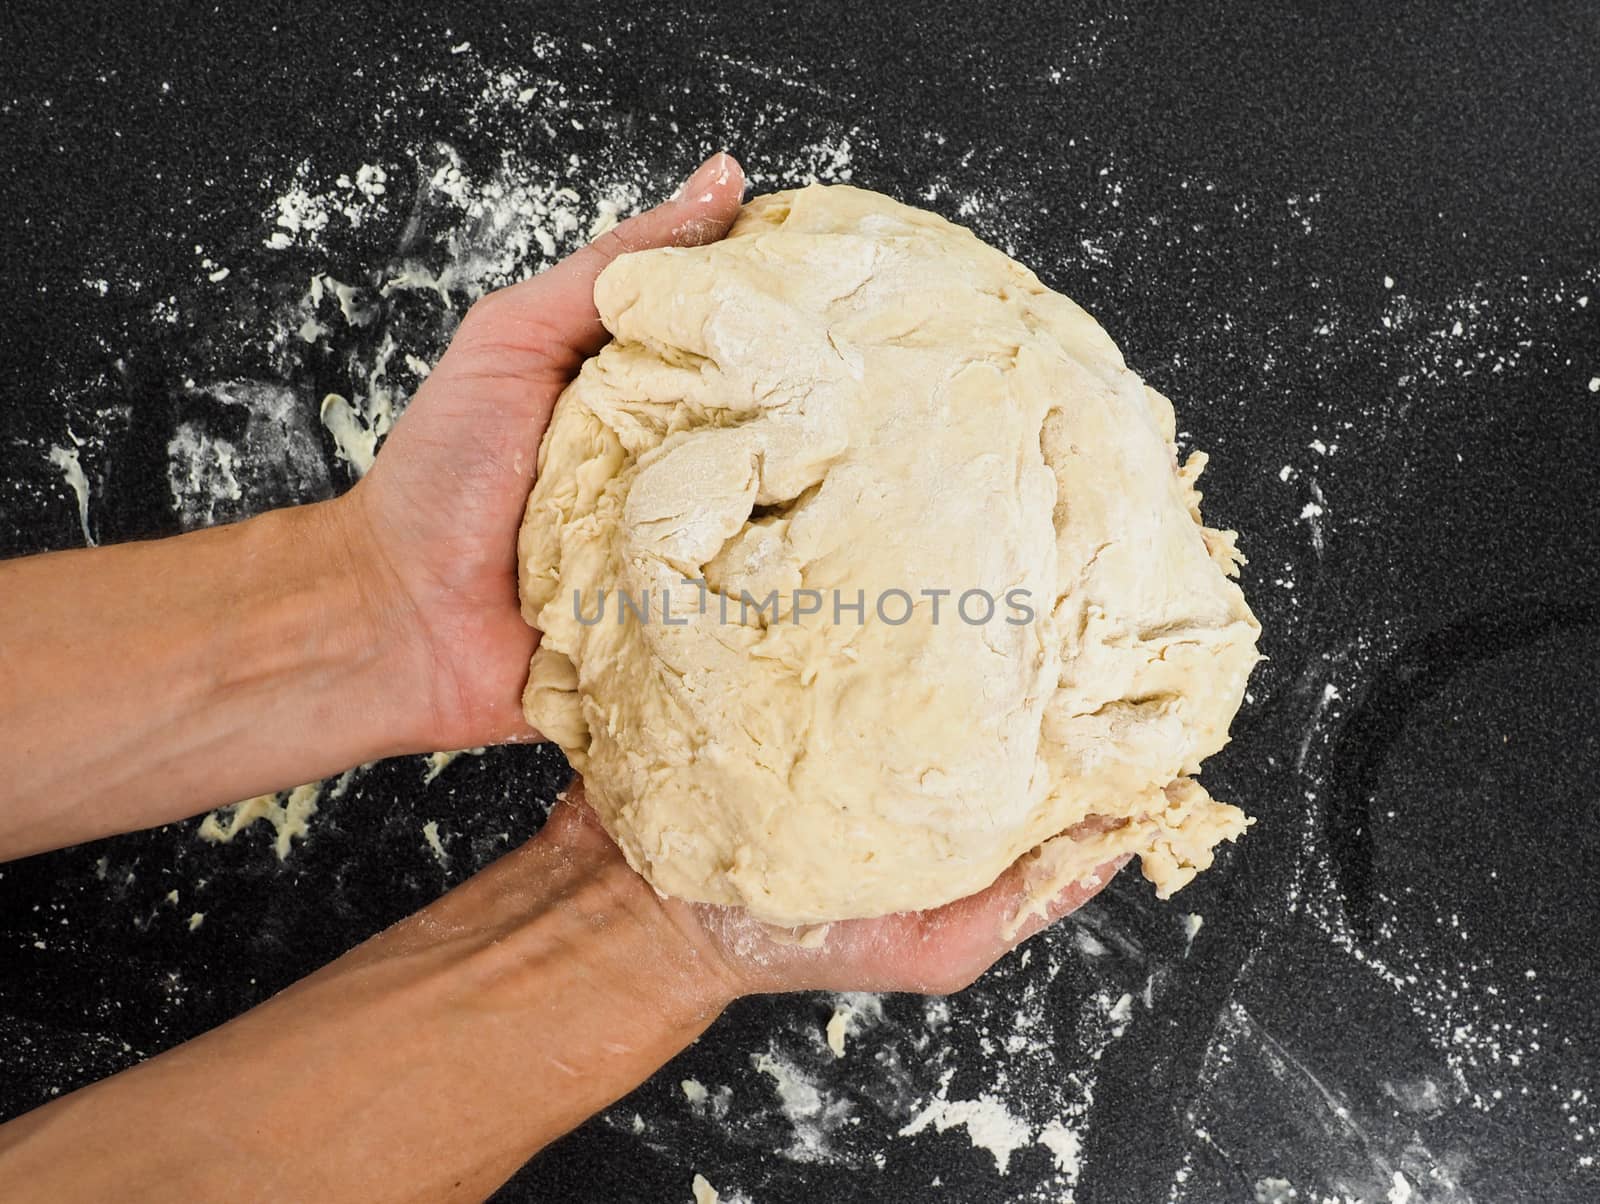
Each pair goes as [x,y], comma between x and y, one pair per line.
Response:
[848,395]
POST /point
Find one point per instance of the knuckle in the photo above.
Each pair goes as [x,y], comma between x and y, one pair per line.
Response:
[611,243]
[485,313]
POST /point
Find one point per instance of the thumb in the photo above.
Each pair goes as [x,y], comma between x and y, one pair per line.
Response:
[551,318]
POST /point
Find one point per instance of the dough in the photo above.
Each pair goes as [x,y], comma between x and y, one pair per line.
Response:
[848,394]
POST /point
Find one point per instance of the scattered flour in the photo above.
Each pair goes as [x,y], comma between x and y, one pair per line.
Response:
[837,1025]
[814,1116]
[851,1012]
[1192,924]
[989,1124]
[201,472]
[1065,1146]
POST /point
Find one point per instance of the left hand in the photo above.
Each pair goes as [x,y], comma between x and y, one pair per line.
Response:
[935,952]
[433,525]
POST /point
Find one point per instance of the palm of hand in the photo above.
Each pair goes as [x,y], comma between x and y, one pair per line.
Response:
[443,503]
[434,524]
[935,952]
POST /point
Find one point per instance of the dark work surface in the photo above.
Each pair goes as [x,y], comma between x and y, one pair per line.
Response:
[1356,244]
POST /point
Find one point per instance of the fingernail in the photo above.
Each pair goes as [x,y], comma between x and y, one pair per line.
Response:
[712,172]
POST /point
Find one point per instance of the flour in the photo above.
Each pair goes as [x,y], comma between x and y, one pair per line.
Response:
[202,474]
[66,459]
[711,1104]
[989,1125]
[814,1115]
[275,458]
[472,233]
[1065,1146]
[853,1012]
[299,214]
[911,1071]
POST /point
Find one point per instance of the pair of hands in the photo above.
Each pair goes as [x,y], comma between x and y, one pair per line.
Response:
[432,531]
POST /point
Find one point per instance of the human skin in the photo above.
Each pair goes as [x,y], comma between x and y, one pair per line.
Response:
[149,682]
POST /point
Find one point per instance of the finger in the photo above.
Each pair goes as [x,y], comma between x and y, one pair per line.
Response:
[1022,916]
[973,933]
[573,824]
[938,951]
[554,312]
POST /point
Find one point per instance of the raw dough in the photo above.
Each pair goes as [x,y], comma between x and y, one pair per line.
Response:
[848,394]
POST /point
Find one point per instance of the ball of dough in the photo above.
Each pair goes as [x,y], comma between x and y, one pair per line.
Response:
[767,519]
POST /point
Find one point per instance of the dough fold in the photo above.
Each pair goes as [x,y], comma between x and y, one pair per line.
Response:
[800,435]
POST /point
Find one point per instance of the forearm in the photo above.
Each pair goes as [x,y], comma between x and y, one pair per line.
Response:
[149,681]
[427,1064]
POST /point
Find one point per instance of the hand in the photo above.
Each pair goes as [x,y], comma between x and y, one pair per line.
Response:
[434,523]
[935,952]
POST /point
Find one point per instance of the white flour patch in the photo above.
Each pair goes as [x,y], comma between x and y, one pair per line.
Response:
[202,474]
[989,1124]
[814,1115]
[301,215]
[66,459]
[708,1103]
[1065,1146]
[1272,1190]
[277,459]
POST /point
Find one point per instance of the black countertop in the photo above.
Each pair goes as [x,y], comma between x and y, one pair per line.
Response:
[1356,244]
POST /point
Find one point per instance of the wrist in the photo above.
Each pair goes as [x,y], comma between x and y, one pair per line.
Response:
[361,602]
[685,965]
[321,663]
[652,949]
